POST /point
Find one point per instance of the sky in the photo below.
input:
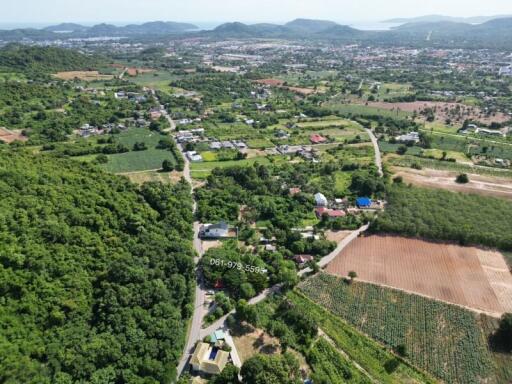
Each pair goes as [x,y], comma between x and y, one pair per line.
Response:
[119,11]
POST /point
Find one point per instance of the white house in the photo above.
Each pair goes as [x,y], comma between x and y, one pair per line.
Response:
[215,231]
[194,156]
[412,136]
[321,200]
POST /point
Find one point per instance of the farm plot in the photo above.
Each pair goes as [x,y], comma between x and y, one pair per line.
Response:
[445,272]
[482,185]
[444,340]
[83,75]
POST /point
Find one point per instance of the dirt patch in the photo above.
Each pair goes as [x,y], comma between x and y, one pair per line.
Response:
[270,82]
[478,184]
[83,75]
[209,244]
[281,84]
[8,136]
[146,176]
[132,71]
[337,236]
[250,341]
[457,112]
[467,276]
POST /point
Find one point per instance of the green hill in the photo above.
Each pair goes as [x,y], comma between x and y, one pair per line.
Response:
[96,275]
[20,58]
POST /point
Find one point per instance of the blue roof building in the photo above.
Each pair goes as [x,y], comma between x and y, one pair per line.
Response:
[363,202]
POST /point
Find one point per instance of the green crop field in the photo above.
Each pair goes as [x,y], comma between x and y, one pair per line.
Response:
[328,363]
[157,80]
[202,170]
[370,355]
[137,160]
[443,339]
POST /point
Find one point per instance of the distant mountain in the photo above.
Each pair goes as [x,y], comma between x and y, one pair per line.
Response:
[66,27]
[77,30]
[441,18]
[300,28]
[436,26]
[309,26]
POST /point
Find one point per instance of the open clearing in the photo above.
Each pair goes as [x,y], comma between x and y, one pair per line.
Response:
[83,75]
[466,276]
[444,111]
[8,136]
[479,184]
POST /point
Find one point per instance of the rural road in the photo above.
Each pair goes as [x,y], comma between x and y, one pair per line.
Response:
[194,333]
[378,156]
[341,246]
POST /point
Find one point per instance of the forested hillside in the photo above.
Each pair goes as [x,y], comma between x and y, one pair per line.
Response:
[32,60]
[96,275]
[443,215]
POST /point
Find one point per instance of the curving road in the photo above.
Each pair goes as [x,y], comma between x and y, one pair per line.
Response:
[378,156]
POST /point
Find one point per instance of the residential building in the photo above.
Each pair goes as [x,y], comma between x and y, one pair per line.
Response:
[321,200]
[209,359]
[214,231]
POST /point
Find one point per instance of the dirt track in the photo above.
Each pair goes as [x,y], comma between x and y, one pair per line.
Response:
[466,276]
[8,136]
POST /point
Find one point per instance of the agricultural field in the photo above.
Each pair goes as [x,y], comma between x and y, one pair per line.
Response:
[410,161]
[481,185]
[442,215]
[371,356]
[150,159]
[330,364]
[159,80]
[466,276]
[363,110]
[83,75]
[443,111]
[202,170]
[444,340]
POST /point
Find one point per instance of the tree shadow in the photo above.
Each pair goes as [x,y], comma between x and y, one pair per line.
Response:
[241,329]
[498,343]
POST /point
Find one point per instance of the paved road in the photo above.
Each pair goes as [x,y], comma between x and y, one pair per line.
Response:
[378,157]
[341,246]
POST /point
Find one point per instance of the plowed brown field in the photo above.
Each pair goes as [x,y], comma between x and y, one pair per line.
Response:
[467,276]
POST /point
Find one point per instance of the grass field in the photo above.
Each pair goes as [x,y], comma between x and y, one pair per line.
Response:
[137,160]
[363,110]
[442,339]
[202,170]
[157,80]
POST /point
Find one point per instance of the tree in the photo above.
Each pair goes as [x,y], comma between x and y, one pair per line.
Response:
[462,178]
[352,275]
[273,369]
[167,166]
[246,312]
[504,333]
[401,150]
[229,375]
[102,159]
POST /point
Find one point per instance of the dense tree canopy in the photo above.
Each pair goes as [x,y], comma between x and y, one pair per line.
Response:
[443,215]
[44,59]
[95,275]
